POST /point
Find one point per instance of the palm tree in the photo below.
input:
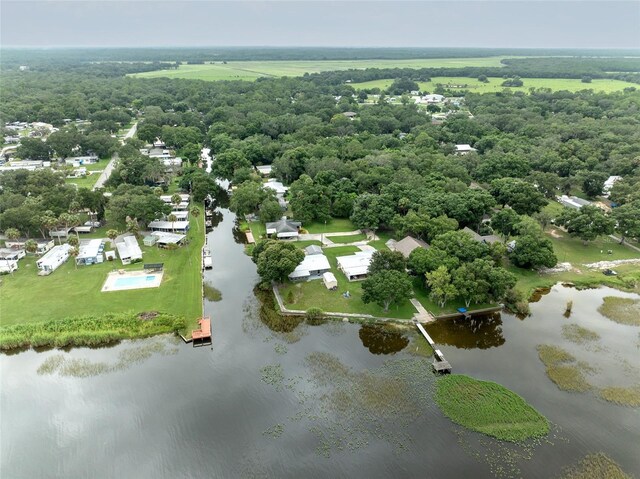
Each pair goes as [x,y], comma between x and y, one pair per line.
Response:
[112,235]
[73,241]
[31,246]
[132,226]
[173,218]
[75,251]
[12,234]
[195,212]
[176,199]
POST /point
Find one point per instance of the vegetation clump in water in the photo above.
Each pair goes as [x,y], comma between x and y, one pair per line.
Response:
[621,310]
[489,408]
[622,396]
[211,293]
[595,466]
[577,334]
[563,369]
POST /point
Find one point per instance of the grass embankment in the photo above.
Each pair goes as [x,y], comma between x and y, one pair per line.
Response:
[495,84]
[621,310]
[489,408]
[88,330]
[250,70]
[71,292]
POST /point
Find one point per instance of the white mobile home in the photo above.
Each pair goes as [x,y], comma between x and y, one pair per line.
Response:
[90,252]
[329,280]
[8,266]
[311,267]
[169,226]
[128,249]
[53,259]
[355,266]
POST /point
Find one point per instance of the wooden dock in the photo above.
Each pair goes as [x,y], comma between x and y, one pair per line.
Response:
[202,336]
[439,364]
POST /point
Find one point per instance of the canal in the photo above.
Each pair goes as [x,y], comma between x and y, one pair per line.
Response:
[334,399]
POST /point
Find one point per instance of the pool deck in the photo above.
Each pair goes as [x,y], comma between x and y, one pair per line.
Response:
[112,278]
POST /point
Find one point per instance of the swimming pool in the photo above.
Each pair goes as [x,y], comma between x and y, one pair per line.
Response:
[133,281]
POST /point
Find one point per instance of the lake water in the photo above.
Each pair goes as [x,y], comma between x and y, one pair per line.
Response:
[258,403]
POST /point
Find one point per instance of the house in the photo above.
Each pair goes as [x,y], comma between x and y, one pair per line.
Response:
[184,198]
[464,149]
[169,226]
[171,162]
[350,114]
[53,259]
[264,170]
[572,202]
[355,266]
[433,98]
[60,233]
[408,244]
[313,249]
[90,252]
[81,160]
[158,143]
[164,239]
[487,239]
[85,228]
[8,254]
[150,240]
[180,215]
[276,186]
[78,173]
[329,280]
[8,266]
[42,245]
[311,267]
[128,249]
[608,184]
[284,229]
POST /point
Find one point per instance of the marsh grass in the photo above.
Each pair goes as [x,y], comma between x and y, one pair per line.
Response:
[622,396]
[621,310]
[87,330]
[489,408]
[579,335]
[595,466]
[563,369]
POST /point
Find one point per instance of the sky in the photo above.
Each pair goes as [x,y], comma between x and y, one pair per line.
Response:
[355,23]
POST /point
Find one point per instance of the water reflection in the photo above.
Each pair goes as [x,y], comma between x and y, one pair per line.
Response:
[238,235]
[382,339]
[538,294]
[272,318]
[479,332]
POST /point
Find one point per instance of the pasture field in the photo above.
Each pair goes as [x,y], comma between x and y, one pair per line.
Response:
[251,70]
[495,84]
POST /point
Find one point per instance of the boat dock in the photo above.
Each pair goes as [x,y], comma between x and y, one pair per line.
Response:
[440,364]
[202,336]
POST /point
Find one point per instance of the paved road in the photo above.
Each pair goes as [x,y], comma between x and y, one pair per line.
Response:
[106,173]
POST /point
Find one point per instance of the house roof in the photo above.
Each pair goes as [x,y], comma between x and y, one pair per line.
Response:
[169,225]
[573,201]
[408,244]
[314,262]
[89,248]
[464,147]
[128,247]
[276,186]
[284,226]
[356,264]
[168,238]
[480,238]
[313,249]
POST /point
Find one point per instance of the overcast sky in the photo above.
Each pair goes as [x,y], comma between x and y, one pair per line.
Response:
[516,24]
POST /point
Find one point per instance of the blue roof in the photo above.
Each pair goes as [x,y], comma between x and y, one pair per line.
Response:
[462,310]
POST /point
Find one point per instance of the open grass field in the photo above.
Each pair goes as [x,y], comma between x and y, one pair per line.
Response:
[250,70]
[489,408]
[84,182]
[348,238]
[336,225]
[574,251]
[495,84]
[69,292]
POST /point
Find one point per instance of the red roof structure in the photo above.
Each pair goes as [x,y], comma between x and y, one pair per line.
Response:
[204,332]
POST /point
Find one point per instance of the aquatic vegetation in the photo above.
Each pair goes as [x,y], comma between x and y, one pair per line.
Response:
[621,310]
[563,369]
[595,466]
[489,408]
[274,431]
[280,349]
[87,330]
[211,293]
[622,396]
[82,368]
[273,375]
[577,334]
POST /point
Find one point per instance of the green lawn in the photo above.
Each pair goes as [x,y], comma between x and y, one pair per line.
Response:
[84,182]
[348,238]
[250,70]
[495,84]
[574,251]
[70,292]
[336,225]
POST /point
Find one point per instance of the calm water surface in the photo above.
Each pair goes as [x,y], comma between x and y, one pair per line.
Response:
[249,406]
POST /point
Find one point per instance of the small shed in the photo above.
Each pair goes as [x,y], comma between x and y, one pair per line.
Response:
[313,249]
[329,280]
[150,240]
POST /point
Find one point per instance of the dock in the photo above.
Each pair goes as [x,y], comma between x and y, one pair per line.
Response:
[202,336]
[440,364]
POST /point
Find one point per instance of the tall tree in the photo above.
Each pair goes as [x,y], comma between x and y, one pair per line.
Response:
[627,219]
[385,260]
[276,259]
[386,287]
[440,285]
[586,223]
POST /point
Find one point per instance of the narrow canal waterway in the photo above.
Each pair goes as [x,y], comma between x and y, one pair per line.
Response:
[267,400]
